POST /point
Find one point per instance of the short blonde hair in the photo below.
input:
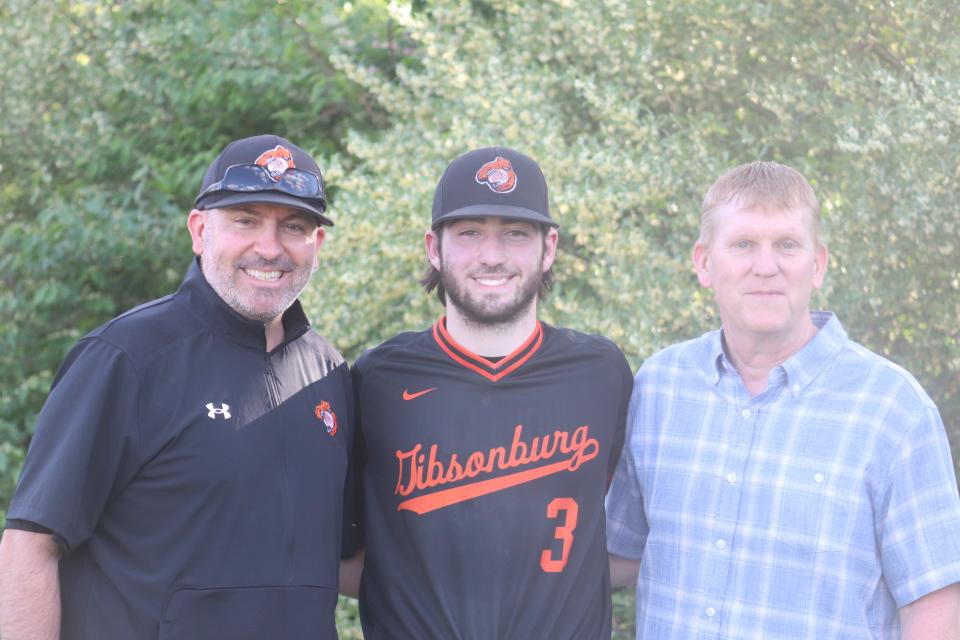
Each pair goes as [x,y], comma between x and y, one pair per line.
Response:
[765,185]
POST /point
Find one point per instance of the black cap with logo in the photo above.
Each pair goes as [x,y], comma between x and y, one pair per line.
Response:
[264,169]
[492,182]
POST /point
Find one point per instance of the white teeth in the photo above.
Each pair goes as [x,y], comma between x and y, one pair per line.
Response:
[491,282]
[263,275]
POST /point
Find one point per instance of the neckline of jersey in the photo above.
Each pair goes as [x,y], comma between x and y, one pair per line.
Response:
[493,371]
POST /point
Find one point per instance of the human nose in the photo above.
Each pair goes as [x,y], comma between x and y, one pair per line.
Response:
[268,243]
[765,261]
[492,250]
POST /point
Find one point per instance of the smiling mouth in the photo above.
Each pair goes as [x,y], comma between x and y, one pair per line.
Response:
[492,281]
[264,276]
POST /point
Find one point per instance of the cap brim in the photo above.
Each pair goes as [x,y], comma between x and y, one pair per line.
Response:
[264,197]
[495,211]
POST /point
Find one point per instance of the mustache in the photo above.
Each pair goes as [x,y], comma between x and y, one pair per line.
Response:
[497,271]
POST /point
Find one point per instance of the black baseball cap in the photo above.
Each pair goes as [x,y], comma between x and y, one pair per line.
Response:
[264,169]
[492,182]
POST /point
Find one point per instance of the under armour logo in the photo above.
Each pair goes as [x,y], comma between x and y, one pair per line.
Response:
[223,410]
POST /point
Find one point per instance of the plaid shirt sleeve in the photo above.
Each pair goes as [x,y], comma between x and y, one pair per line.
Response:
[918,534]
[626,523]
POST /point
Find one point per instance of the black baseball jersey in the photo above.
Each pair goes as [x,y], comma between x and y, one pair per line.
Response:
[195,480]
[483,486]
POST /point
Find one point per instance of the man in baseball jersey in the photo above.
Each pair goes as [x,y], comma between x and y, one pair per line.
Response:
[186,475]
[488,439]
[779,480]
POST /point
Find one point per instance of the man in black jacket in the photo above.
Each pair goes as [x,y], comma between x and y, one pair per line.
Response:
[186,475]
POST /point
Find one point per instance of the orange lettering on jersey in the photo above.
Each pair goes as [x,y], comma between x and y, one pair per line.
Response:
[419,471]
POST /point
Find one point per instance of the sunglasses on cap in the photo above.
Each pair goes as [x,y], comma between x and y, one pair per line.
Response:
[254,177]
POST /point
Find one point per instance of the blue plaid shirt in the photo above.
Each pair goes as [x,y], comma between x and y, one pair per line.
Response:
[812,510]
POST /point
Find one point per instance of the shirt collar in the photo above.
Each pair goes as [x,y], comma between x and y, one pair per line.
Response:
[196,294]
[818,354]
[718,361]
[802,367]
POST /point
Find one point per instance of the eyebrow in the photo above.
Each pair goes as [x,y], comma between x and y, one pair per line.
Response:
[503,221]
[294,215]
[307,220]
[244,208]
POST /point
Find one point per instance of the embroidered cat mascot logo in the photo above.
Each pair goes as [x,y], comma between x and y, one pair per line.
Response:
[328,417]
[276,161]
[498,175]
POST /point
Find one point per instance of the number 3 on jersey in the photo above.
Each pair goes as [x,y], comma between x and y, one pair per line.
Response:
[563,532]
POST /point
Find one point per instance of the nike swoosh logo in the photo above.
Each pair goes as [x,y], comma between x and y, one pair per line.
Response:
[412,396]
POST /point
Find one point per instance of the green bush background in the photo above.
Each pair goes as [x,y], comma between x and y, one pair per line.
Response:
[110,111]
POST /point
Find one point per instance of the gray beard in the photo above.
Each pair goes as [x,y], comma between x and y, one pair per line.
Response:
[239,302]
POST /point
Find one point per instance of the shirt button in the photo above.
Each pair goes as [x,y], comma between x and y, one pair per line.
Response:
[731,477]
[721,544]
[818,478]
[711,612]
[746,414]
[796,388]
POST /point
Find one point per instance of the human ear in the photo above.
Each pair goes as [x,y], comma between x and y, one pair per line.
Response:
[431,242]
[700,264]
[197,224]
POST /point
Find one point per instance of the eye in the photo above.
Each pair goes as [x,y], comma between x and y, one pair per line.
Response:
[741,244]
[296,227]
[244,221]
[789,245]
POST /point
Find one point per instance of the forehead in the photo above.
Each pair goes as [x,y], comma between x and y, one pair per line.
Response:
[732,218]
[490,222]
[270,211]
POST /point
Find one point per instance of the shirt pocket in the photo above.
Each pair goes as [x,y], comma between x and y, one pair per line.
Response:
[248,613]
[809,520]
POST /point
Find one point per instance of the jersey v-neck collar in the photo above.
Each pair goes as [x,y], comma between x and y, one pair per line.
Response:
[493,371]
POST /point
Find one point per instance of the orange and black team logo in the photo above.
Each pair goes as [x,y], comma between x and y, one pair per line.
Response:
[328,417]
[498,175]
[276,161]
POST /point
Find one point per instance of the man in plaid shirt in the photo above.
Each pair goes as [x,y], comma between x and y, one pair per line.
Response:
[779,480]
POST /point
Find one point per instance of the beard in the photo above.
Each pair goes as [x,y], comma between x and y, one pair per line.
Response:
[487,312]
[251,302]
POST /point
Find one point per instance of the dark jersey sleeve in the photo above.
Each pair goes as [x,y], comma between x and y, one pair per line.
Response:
[85,445]
[624,378]
[353,493]
[33,527]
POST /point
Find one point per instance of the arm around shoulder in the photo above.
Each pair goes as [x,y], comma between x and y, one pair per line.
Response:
[935,616]
[29,586]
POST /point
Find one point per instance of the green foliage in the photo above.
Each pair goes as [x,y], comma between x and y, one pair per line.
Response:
[348,619]
[633,109]
[112,110]
[624,614]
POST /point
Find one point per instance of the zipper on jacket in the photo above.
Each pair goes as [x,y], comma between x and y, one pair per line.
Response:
[273,388]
